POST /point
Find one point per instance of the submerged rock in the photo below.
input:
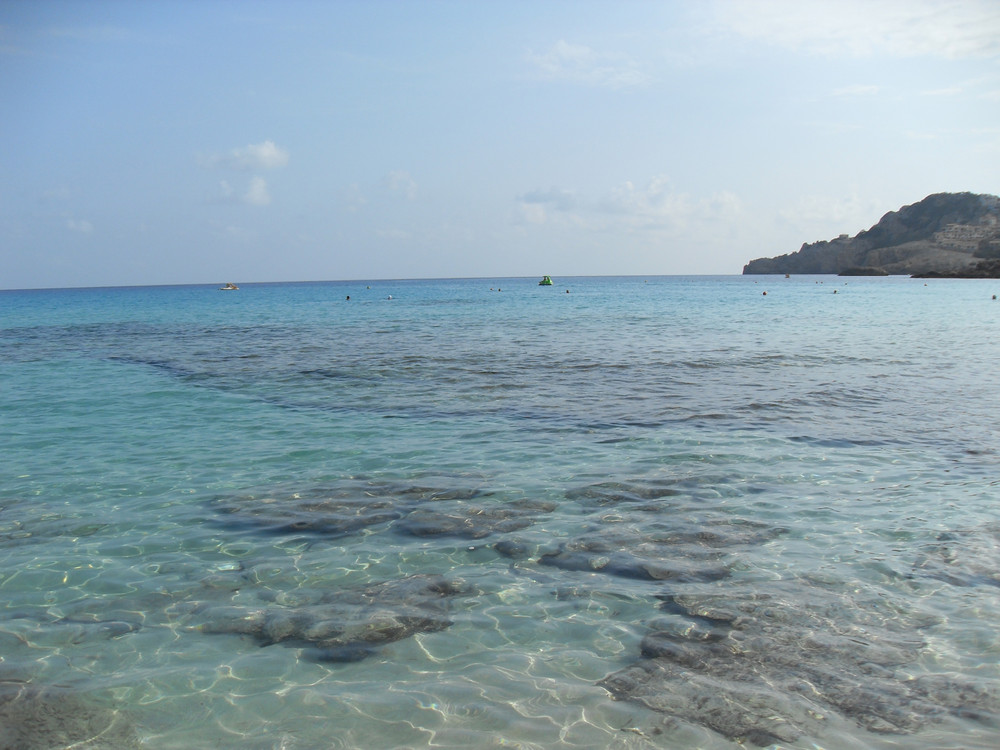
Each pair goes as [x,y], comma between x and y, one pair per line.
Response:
[473,521]
[350,507]
[33,717]
[767,667]
[349,625]
[969,557]
[622,493]
[329,511]
[515,549]
[648,562]
[306,513]
[693,551]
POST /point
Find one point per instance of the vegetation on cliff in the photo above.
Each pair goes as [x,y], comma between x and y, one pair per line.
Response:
[944,234]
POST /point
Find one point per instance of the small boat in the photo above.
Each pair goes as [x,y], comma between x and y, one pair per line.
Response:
[228,287]
[546,281]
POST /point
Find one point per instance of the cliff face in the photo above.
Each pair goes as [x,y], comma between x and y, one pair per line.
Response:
[944,233]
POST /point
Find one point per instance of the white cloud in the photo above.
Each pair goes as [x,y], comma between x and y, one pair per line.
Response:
[581,64]
[83,226]
[401,183]
[256,194]
[858,28]
[264,155]
[533,213]
[537,206]
[652,203]
[858,90]
[658,206]
[823,217]
[916,135]
[953,91]
[354,198]
[393,234]
[655,206]
[557,198]
[56,194]
[236,233]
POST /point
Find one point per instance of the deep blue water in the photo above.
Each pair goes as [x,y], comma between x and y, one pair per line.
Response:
[672,512]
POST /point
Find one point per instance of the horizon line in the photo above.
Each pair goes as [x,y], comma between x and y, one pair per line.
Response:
[363,281]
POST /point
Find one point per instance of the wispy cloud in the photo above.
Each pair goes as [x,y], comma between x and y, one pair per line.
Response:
[858,28]
[581,64]
[655,206]
[556,198]
[81,226]
[825,216]
[951,91]
[236,233]
[858,90]
[393,234]
[917,135]
[256,156]
[400,182]
[265,155]
[255,193]
[61,193]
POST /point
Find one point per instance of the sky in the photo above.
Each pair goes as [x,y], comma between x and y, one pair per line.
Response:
[204,141]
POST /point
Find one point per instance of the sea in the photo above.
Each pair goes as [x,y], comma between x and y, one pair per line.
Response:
[630,512]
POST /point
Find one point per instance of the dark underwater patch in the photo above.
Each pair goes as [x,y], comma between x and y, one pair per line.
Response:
[616,493]
[33,717]
[684,551]
[769,666]
[339,510]
[346,626]
[311,514]
[967,557]
[331,511]
[472,521]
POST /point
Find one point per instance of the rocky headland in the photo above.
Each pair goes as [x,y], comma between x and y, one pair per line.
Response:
[944,235]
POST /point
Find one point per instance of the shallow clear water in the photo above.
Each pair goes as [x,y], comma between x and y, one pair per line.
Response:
[664,512]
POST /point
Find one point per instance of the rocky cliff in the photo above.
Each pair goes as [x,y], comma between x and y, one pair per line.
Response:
[944,234]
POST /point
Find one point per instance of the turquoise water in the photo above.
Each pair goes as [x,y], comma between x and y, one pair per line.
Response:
[647,513]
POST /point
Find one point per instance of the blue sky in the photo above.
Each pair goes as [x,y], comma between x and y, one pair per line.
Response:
[195,141]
